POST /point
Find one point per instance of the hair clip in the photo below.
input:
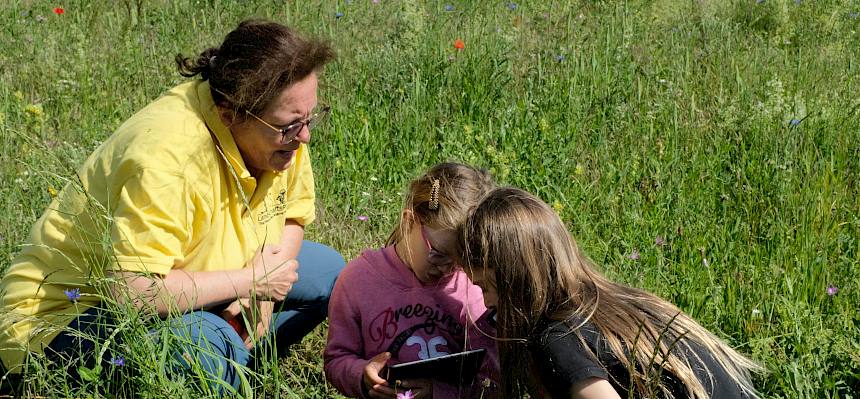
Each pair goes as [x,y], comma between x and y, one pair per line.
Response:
[434,194]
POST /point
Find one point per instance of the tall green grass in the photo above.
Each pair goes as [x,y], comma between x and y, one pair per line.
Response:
[728,129]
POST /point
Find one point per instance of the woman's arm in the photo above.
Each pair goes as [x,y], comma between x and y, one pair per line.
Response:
[593,388]
[268,276]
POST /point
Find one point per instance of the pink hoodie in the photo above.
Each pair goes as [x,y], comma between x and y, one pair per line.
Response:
[378,305]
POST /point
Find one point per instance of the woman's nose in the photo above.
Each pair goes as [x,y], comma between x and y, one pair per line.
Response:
[304,135]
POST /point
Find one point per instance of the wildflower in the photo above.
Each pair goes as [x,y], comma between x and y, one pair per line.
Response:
[59,10]
[659,241]
[34,110]
[375,1]
[52,192]
[794,122]
[451,58]
[362,218]
[559,58]
[406,395]
[41,18]
[634,255]
[449,7]
[558,206]
[832,290]
[705,262]
[459,45]
[118,361]
[853,15]
[580,170]
[759,1]
[512,6]
[19,95]
[73,294]
[338,15]
[756,312]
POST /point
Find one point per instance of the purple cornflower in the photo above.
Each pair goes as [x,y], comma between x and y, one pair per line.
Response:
[73,294]
[794,122]
[449,7]
[512,6]
[854,15]
[406,395]
[338,15]
[118,361]
[659,241]
[832,290]
[362,218]
[634,255]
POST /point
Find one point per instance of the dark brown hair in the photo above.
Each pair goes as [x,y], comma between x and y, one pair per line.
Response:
[256,61]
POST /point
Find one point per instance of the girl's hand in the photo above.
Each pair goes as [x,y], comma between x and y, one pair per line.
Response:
[376,386]
[273,277]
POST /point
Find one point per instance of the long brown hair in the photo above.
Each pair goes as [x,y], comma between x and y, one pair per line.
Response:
[256,61]
[541,277]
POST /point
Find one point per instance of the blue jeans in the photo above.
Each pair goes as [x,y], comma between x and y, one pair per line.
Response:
[210,341]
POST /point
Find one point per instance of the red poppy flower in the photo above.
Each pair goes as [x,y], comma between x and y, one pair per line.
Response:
[459,45]
[59,10]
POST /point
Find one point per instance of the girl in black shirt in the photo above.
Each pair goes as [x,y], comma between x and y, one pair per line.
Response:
[565,331]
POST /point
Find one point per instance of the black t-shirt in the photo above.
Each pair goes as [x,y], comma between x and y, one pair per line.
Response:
[562,361]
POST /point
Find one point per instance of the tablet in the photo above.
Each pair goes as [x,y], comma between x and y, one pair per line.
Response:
[457,368]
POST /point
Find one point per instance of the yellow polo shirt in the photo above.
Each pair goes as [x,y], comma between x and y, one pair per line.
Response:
[168,190]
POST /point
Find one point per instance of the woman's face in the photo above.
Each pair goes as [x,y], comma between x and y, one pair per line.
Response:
[260,145]
[486,279]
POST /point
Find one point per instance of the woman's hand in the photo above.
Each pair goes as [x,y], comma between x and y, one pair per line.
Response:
[258,313]
[272,275]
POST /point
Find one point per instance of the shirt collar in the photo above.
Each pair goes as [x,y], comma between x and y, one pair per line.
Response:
[224,137]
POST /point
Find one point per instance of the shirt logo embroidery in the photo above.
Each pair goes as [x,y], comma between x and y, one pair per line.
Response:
[279,208]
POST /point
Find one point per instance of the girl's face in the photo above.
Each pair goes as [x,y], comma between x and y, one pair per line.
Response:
[427,251]
[486,279]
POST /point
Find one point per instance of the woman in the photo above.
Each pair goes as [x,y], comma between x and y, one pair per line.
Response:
[194,208]
[565,331]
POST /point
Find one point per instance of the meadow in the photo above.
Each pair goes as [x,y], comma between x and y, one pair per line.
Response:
[708,151]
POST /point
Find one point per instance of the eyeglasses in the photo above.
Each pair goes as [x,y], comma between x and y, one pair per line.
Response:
[436,258]
[290,132]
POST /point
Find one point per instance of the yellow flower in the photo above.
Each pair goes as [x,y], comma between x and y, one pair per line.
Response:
[543,125]
[35,110]
[558,206]
[52,192]
[19,95]
[580,170]
[467,129]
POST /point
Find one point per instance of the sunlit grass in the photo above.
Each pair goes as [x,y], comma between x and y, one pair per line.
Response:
[728,129]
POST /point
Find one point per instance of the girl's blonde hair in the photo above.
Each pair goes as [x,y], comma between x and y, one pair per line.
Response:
[541,277]
[458,188]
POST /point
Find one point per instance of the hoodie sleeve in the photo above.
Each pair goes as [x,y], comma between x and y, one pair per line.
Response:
[344,357]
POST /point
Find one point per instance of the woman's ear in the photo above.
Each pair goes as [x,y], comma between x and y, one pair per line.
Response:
[227,115]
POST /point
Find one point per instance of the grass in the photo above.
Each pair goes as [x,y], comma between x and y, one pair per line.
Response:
[729,129]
